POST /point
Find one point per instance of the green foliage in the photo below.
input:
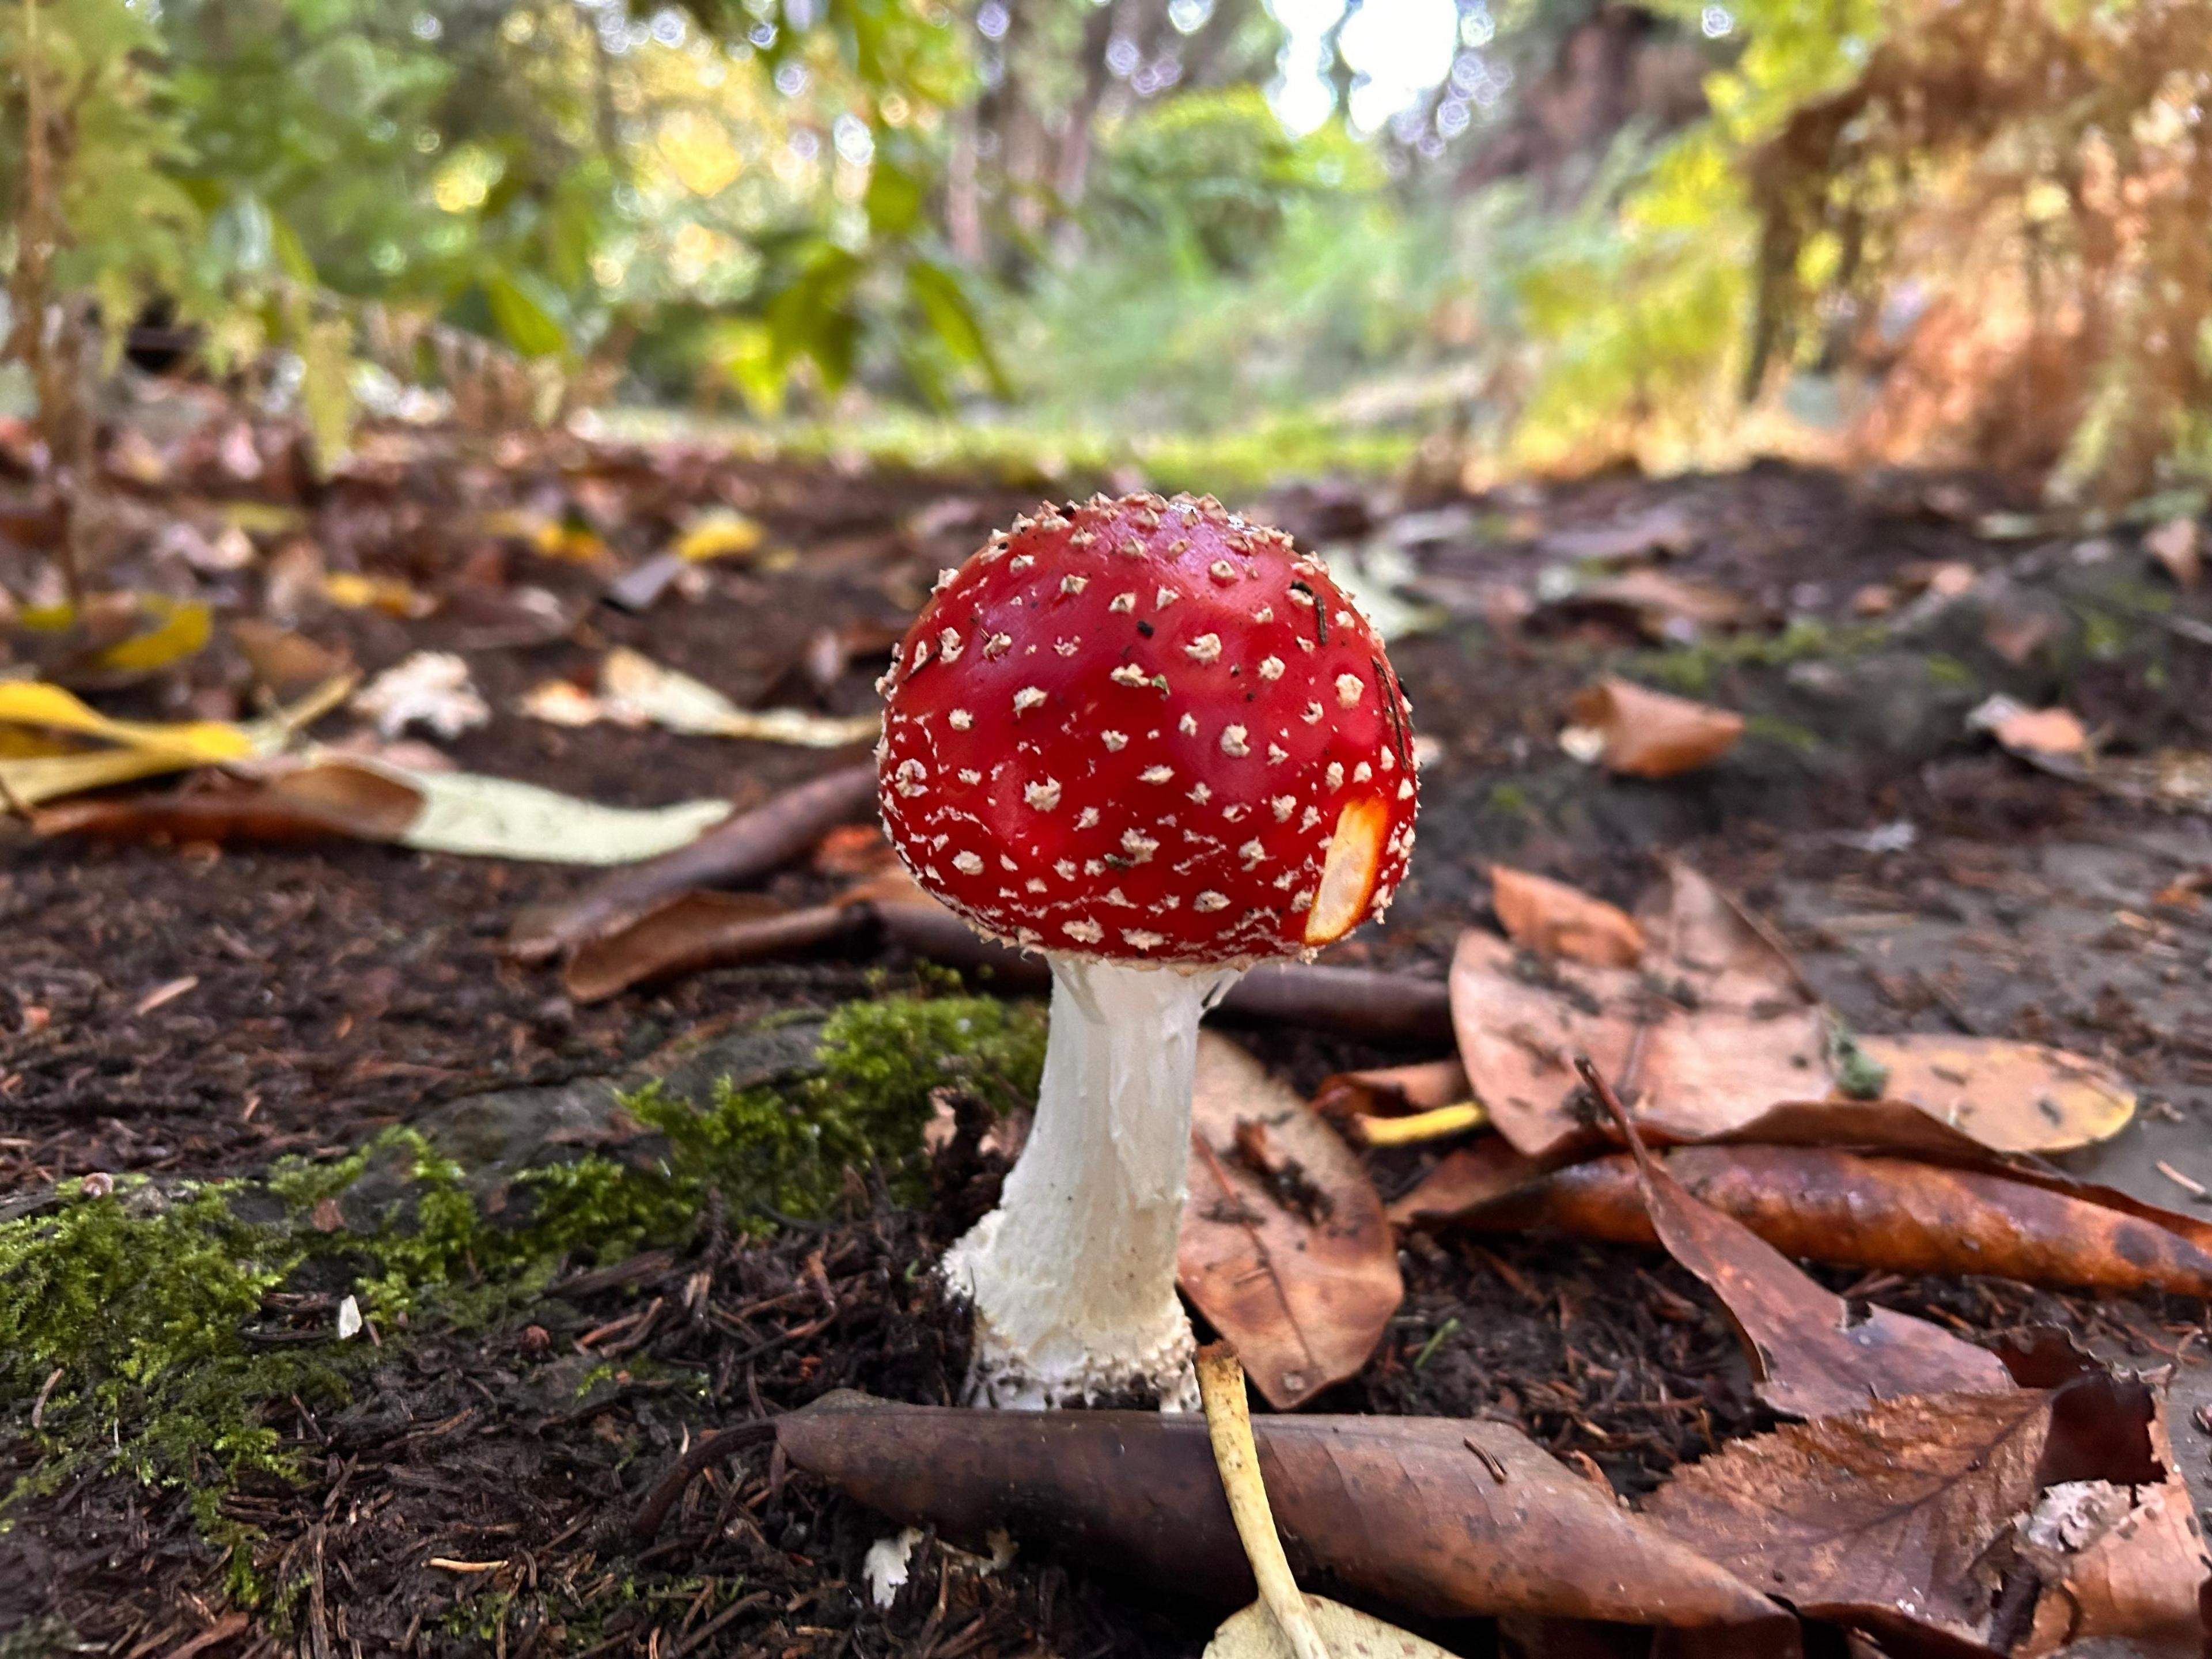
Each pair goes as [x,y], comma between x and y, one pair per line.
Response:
[1982,219]
[1213,170]
[121,226]
[134,1314]
[1152,336]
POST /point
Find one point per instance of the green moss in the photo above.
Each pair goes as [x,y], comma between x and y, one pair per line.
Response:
[1691,669]
[1775,729]
[2104,635]
[1948,671]
[1510,798]
[129,1321]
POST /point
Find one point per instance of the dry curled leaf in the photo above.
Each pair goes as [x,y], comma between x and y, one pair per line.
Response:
[1392,1090]
[2010,1097]
[2015,1521]
[1442,1516]
[284,804]
[2179,546]
[1811,1357]
[1891,1214]
[328,793]
[1284,1247]
[2030,732]
[1714,1026]
[1554,920]
[1650,734]
[635,691]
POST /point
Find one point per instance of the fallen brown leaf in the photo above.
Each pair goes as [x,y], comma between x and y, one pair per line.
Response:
[696,930]
[1714,1035]
[1892,1214]
[2030,731]
[1554,920]
[2009,1097]
[288,803]
[1665,607]
[1469,1179]
[1947,579]
[1713,1027]
[1811,1358]
[1410,1510]
[1392,1090]
[285,662]
[1649,734]
[2015,1523]
[2179,546]
[1284,1247]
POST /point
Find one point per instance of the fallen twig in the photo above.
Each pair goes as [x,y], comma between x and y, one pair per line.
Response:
[746,848]
[711,1450]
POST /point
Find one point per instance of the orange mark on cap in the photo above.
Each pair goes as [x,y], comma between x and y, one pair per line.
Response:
[1347,876]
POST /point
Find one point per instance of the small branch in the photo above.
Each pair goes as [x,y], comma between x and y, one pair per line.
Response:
[646,1523]
[744,849]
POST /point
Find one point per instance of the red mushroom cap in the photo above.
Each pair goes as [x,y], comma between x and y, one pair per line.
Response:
[1146,729]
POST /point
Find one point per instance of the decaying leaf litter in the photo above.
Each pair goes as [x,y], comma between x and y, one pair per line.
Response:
[1918,880]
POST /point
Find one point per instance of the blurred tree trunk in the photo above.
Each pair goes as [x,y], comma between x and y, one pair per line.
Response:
[1071,167]
[964,205]
[47,336]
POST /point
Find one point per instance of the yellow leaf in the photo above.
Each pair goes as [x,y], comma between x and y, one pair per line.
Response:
[33,702]
[142,749]
[326,389]
[38,779]
[350,591]
[720,534]
[562,539]
[264,517]
[181,629]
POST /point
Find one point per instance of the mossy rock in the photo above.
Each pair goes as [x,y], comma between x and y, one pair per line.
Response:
[153,1323]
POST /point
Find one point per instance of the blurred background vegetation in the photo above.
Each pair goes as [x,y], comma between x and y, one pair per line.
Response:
[1478,236]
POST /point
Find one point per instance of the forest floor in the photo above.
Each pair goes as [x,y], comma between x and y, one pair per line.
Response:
[192,1011]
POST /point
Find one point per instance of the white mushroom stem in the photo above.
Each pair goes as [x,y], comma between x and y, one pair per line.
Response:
[1073,1275]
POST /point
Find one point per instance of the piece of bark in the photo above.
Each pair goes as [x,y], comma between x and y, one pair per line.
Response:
[1360,1001]
[1411,1509]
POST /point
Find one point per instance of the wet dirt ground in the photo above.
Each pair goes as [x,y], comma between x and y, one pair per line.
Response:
[195,1010]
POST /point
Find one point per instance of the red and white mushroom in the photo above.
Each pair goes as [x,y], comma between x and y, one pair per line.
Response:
[1157,744]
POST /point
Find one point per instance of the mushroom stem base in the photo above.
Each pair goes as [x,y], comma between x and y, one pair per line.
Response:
[1072,1276]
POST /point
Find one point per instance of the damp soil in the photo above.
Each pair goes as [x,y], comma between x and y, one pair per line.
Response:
[197,1011]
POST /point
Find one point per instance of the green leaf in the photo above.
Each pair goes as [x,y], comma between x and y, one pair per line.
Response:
[745,352]
[291,254]
[894,198]
[945,305]
[524,324]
